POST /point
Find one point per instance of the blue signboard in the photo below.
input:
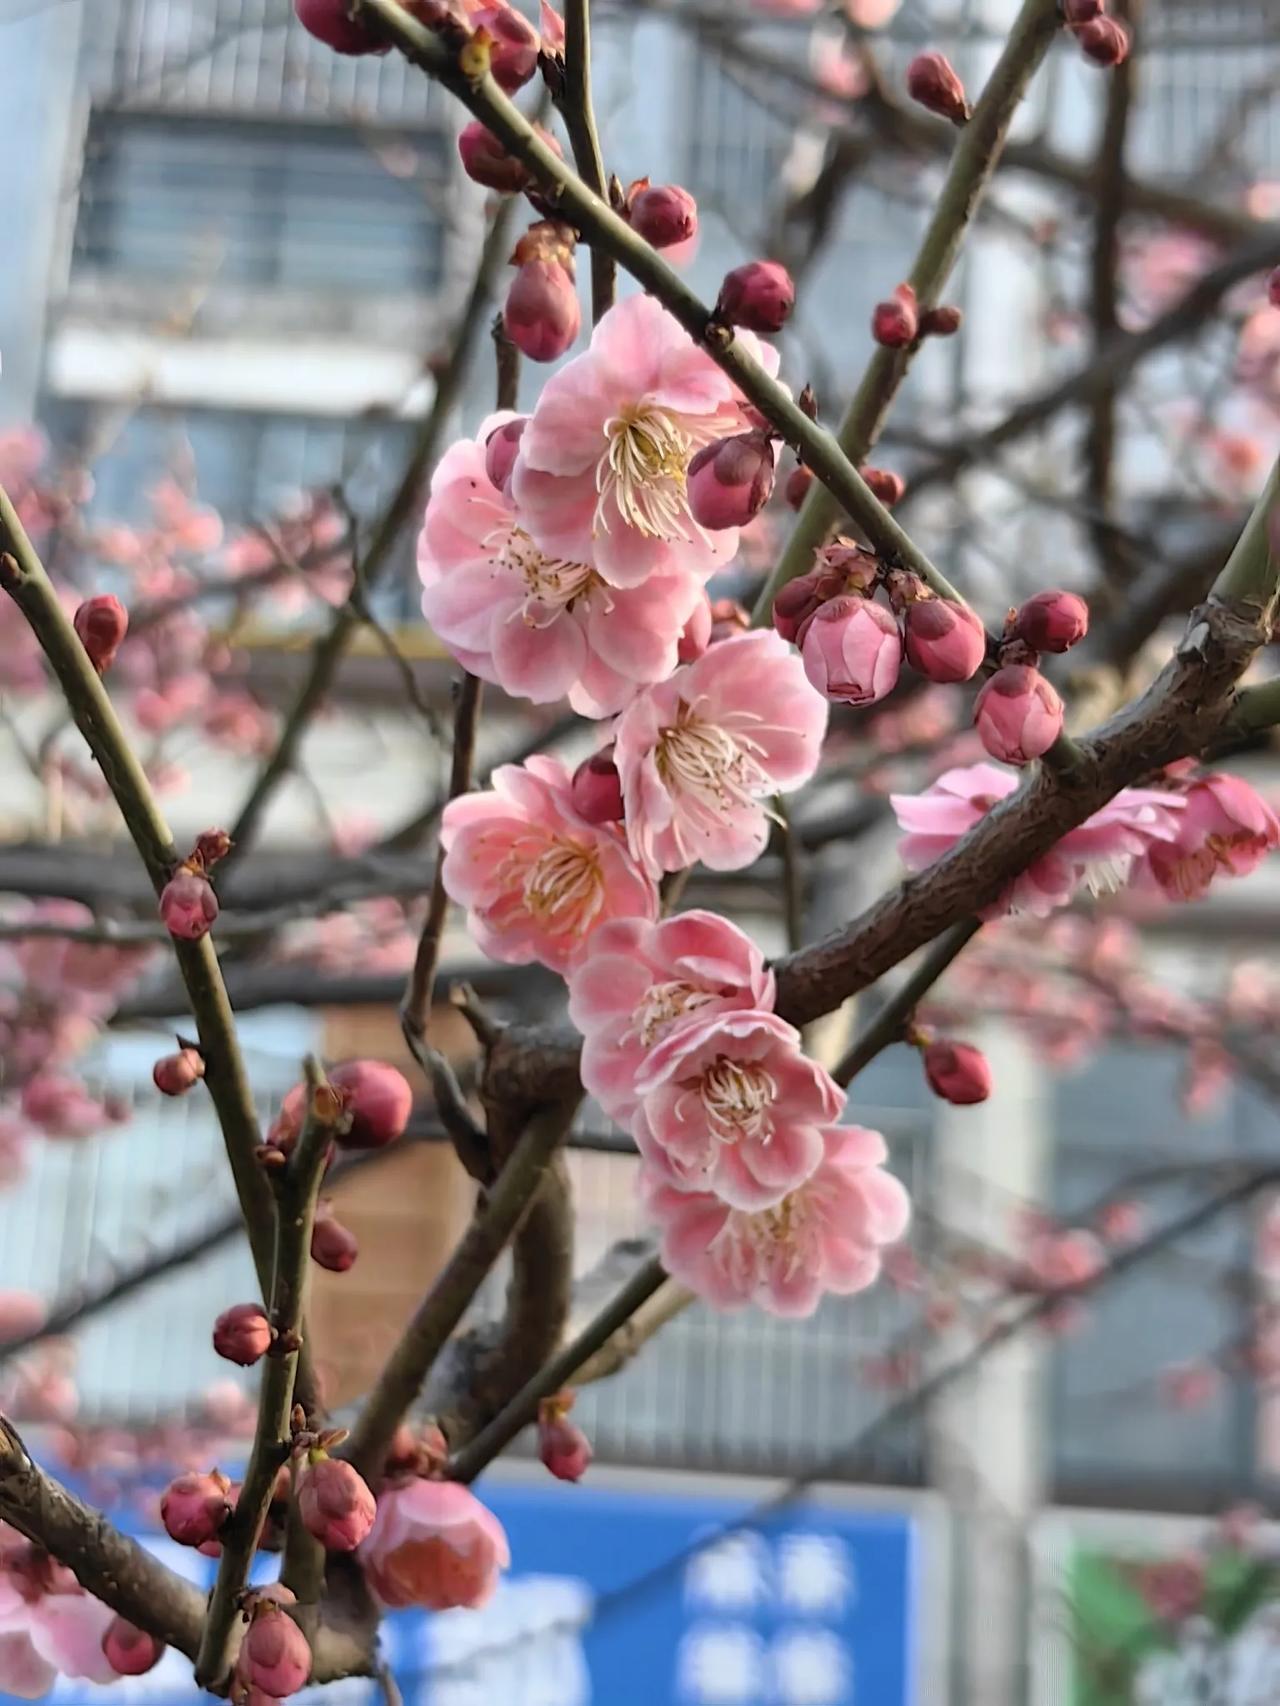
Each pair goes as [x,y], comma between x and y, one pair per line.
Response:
[637,1596]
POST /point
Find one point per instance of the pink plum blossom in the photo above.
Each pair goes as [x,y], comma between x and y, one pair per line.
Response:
[640,980]
[824,1236]
[729,1104]
[435,1545]
[700,754]
[535,876]
[600,477]
[21,1313]
[539,626]
[49,1627]
[1225,829]
[1098,854]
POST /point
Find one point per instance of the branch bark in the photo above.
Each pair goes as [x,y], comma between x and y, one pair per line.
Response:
[578,113]
[976,157]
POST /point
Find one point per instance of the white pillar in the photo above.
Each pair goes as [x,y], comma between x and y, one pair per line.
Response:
[985,1435]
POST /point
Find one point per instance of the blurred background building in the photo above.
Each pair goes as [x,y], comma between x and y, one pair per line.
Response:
[229,251]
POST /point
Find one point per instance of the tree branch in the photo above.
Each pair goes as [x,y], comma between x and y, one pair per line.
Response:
[579,117]
[559,1371]
[298,1189]
[976,157]
[603,229]
[497,1216]
[889,1024]
[23,577]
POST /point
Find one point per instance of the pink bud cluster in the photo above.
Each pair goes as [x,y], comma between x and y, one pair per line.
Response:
[853,645]
[1018,713]
[759,1194]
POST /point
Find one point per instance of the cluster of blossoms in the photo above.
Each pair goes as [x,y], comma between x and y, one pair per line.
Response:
[1171,838]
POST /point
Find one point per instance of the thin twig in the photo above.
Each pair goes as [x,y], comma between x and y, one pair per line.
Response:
[558,1372]
[495,1220]
[23,577]
[506,360]
[975,159]
[579,117]
[889,1024]
[297,1192]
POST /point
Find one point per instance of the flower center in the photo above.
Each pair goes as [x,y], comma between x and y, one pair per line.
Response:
[552,584]
[707,763]
[643,470]
[564,887]
[758,1239]
[662,1004]
[737,1097]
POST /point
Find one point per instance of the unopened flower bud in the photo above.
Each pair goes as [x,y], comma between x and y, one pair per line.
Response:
[542,313]
[211,846]
[330,21]
[102,624]
[1105,41]
[596,790]
[944,640]
[1018,714]
[941,322]
[759,295]
[376,1103]
[957,1072]
[332,1246]
[888,488]
[274,1655]
[895,323]
[512,44]
[1075,12]
[1273,288]
[1052,621]
[796,603]
[242,1334]
[933,83]
[796,489]
[852,650]
[663,214]
[194,1507]
[729,481]
[486,161]
[501,449]
[130,1651]
[188,905]
[175,1074]
[696,634]
[563,1447]
[335,1504]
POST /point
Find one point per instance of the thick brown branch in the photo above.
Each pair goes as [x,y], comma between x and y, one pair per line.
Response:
[496,1218]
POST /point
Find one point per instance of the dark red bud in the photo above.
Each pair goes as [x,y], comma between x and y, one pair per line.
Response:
[957,1072]
[486,161]
[102,624]
[796,489]
[663,214]
[1052,621]
[1075,12]
[1105,41]
[942,322]
[729,481]
[211,846]
[376,1101]
[330,21]
[887,487]
[175,1074]
[542,315]
[332,1246]
[242,1334]
[945,641]
[759,295]
[895,323]
[932,81]
[194,1507]
[597,788]
[188,905]
[130,1651]
[1273,288]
